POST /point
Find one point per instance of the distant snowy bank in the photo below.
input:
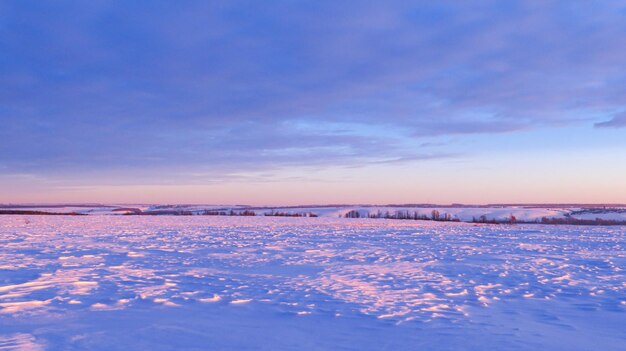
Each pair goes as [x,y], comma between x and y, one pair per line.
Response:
[577,214]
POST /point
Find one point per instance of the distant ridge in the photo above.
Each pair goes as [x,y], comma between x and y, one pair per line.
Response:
[416,205]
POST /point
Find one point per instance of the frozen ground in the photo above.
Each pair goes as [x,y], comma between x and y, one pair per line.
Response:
[224,283]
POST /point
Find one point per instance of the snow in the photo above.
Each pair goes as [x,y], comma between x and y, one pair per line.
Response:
[465,214]
[273,283]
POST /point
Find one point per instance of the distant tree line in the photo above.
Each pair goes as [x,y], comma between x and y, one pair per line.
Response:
[598,210]
[214,213]
[39,213]
[160,213]
[483,219]
[231,213]
[191,213]
[406,215]
[576,221]
[227,213]
[289,214]
[567,220]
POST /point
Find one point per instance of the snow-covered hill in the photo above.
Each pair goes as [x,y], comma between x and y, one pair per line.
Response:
[463,213]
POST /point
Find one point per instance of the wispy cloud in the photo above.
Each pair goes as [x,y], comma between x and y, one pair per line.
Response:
[618,121]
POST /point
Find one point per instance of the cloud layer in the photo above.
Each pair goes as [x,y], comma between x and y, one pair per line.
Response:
[238,86]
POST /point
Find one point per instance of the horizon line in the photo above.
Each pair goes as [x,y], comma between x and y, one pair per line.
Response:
[425,204]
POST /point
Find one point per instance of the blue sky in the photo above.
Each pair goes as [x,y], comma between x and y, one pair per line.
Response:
[312,101]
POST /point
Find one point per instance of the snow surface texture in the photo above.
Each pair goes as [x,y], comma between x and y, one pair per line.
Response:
[224,283]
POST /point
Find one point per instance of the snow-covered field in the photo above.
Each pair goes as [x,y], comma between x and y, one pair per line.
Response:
[249,283]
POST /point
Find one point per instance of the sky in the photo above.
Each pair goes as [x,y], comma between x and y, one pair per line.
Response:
[313,102]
